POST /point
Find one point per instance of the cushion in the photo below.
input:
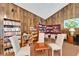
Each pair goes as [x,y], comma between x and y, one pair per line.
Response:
[24,51]
[54,46]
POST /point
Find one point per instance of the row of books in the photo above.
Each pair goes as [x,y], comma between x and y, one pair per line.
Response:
[12,29]
[12,23]
[12,33]
[9,52]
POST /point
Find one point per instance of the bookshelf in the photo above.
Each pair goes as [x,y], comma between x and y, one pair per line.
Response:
[42,28]
[33,35]
[50,29]
[10,27]
[53,29]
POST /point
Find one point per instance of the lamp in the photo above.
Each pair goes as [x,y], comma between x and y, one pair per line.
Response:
[71,30]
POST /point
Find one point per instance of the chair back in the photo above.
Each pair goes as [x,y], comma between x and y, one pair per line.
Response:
[46,36]
[41,37]
[15,43]
[53,36]
[60,39]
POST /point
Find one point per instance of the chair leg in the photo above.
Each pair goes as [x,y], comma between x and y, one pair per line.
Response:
[52,52]
[60,52]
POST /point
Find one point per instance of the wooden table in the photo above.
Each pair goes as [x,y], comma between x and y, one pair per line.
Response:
[41,49]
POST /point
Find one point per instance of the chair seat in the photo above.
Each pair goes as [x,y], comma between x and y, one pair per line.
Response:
[24,51]
[54,46]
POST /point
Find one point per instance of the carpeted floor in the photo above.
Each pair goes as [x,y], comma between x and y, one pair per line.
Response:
[70,49]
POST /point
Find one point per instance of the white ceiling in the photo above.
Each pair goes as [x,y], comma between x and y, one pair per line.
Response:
[43,10]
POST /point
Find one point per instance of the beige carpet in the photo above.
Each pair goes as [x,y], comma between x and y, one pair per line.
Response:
[70,49]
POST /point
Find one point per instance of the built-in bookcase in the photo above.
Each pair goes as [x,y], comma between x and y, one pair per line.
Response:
[10,28]
[53,29]
[42,28]
[50,29]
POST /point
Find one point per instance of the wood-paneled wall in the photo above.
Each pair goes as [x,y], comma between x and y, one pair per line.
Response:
[68,12]
[29,19]
[12,11]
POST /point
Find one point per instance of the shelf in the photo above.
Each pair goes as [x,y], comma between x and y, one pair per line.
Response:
[11,20]
[7,48]
[9,26]
[52,33]
[7,36]
[9,54]
[34,33]
[12,31]
[7,45]
[49,29]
